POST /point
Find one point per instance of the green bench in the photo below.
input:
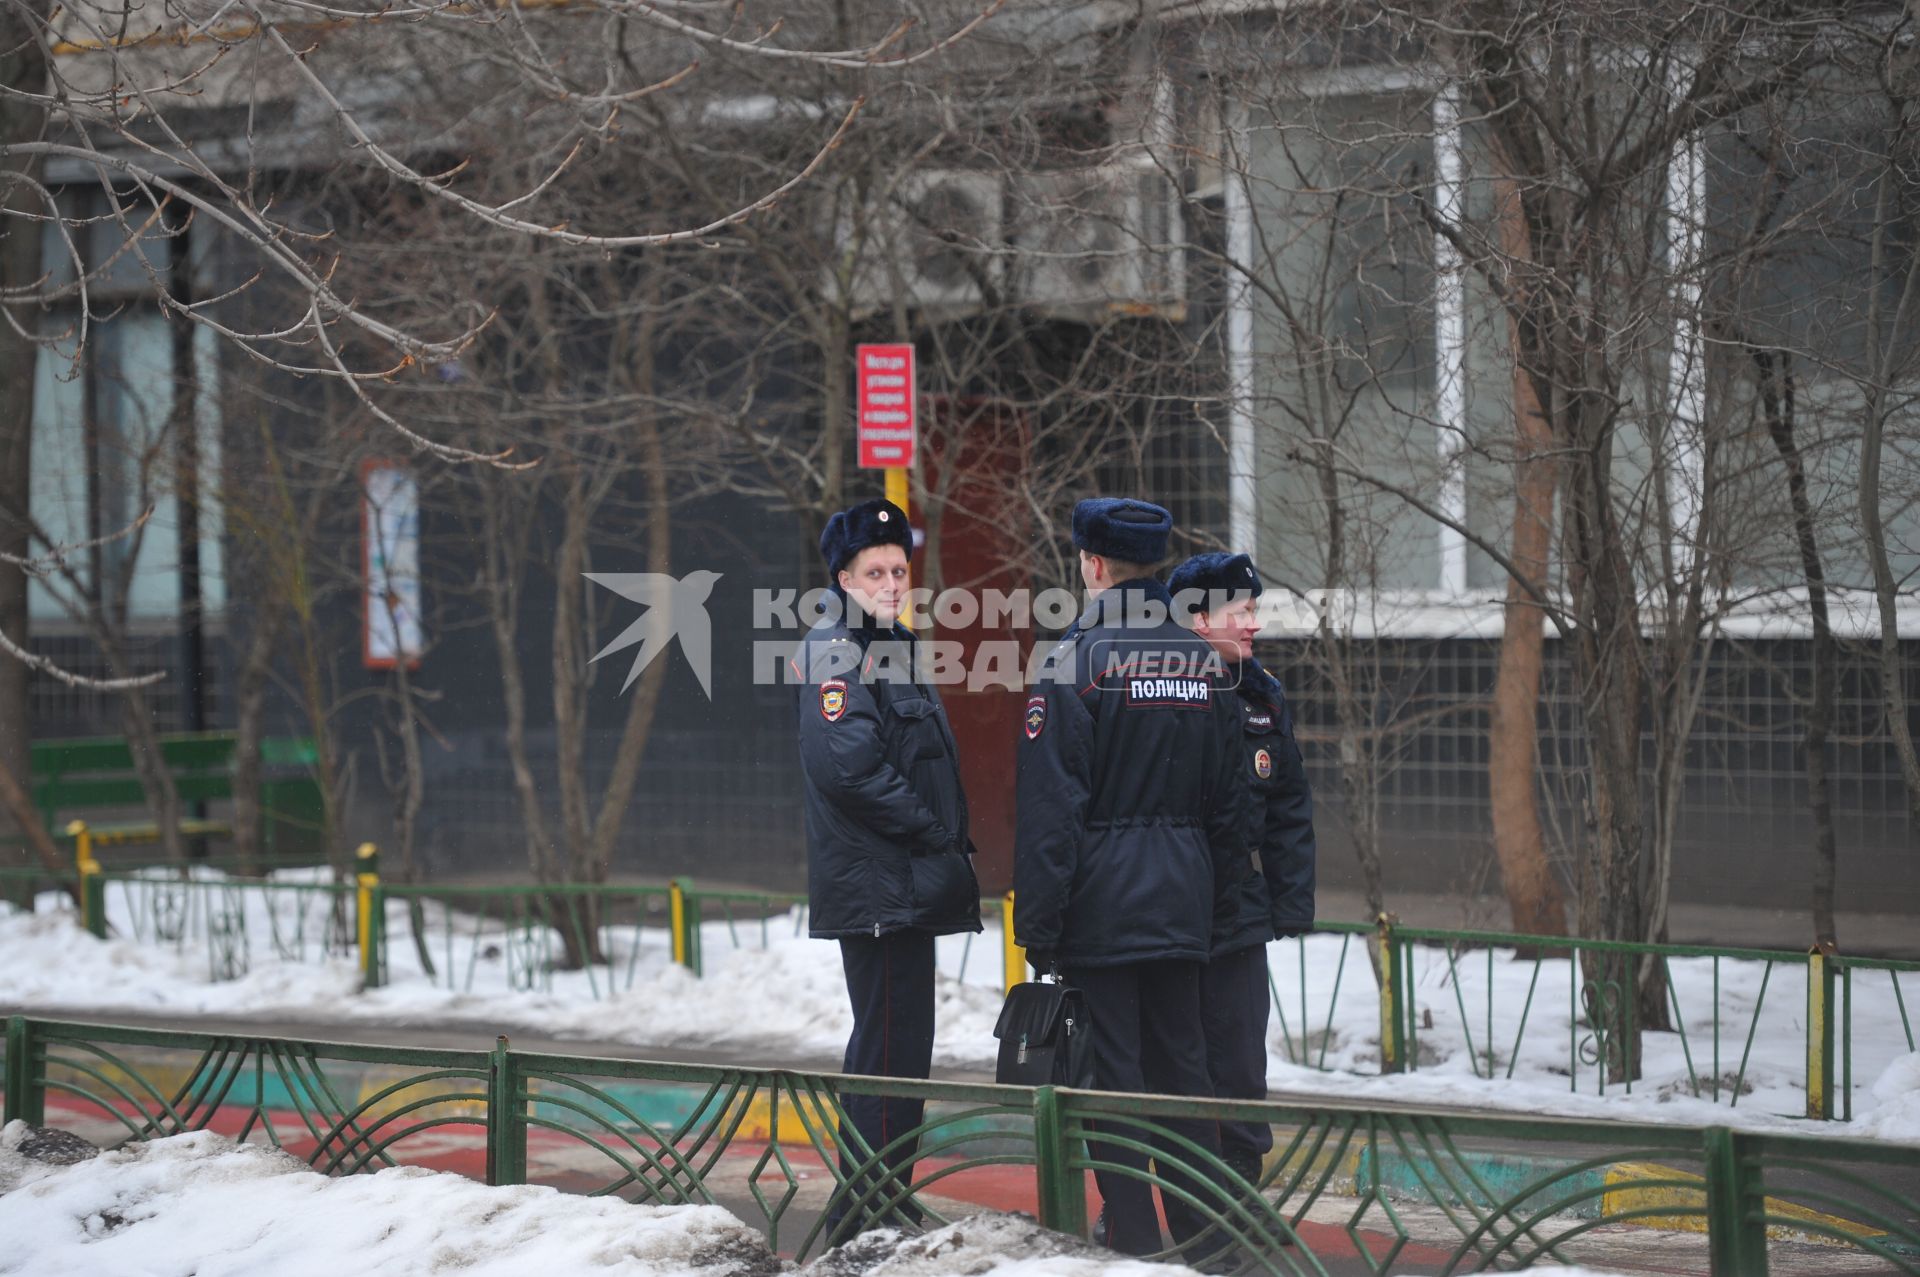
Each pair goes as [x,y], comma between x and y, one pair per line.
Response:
[74,777]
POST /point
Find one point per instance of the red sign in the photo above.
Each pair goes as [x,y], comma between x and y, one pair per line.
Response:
[883,376]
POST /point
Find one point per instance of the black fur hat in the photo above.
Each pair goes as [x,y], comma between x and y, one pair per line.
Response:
[871,523]
[1121,528]
[1217,572]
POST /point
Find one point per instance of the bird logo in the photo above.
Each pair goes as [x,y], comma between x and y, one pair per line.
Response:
[675,607]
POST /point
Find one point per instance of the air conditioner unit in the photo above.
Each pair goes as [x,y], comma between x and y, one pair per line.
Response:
[929,242]
[1106,238]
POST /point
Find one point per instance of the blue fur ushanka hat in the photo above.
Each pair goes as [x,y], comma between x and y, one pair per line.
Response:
[1228,575]
[1121,528]
[860,527]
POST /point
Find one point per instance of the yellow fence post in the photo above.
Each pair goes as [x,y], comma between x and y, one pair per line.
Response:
[1820,964]
[370,906]
[93,892]
[684,919]
[1387,965]
[1012,957]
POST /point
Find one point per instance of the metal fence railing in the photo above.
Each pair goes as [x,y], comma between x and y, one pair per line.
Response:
[1405,1188]
[1350,997]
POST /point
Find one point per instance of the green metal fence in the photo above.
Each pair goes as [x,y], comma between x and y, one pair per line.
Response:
[1414,996]
[1495,998]
[1396,1189]
[232,921]
[513,938]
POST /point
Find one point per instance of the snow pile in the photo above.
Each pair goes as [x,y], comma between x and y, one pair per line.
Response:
[198,1203]
[1896,1112]
[987,1245]
[59,964]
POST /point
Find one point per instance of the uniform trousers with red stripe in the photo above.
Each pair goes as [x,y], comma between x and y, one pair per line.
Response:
[890,983]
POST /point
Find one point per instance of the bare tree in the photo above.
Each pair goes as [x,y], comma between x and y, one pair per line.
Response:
[1553,153]
[191,121]
[1890,320]
[22,63]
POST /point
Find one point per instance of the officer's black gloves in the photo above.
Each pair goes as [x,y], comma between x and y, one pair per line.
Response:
[1043,963]
[1292,933]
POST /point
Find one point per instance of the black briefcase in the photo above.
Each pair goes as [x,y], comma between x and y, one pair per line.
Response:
[1044,1037]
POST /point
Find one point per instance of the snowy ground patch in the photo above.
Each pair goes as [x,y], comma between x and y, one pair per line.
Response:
[1496,1031]
[1896,1111]
[200,1204]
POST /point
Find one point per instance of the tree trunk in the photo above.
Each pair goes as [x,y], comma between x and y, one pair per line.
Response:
[250,714]
[1777,406]
[295,531]
[569,662]
[36,844]
[1535,899]
[1611,902]
[646,695]
[574,915]
[1887,343]
[23,71]
[1353,706]
[503,559]
[412,796]
[836,372]
[143,742]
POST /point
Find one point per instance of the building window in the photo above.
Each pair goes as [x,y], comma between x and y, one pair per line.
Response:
[105,442]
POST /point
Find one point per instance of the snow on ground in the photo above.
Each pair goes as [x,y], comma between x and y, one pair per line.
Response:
[771,993]
[1896,1114]
[200,1204]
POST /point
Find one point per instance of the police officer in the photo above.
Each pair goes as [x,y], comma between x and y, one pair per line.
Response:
[1131,819]
[889,865]
[1220,593]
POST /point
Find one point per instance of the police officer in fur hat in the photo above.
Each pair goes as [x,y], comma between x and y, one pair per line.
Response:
[1130,832]
[1219,593]
[889,864]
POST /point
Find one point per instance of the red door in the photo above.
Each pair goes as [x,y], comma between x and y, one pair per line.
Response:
[978,531]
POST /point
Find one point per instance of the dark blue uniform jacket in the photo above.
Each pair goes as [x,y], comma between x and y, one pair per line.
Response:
[1278,898]
[886,818]
[1132,816]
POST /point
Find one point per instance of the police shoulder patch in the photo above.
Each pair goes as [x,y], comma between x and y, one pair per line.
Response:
[1036,716]
[1262,763]
[833,699]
